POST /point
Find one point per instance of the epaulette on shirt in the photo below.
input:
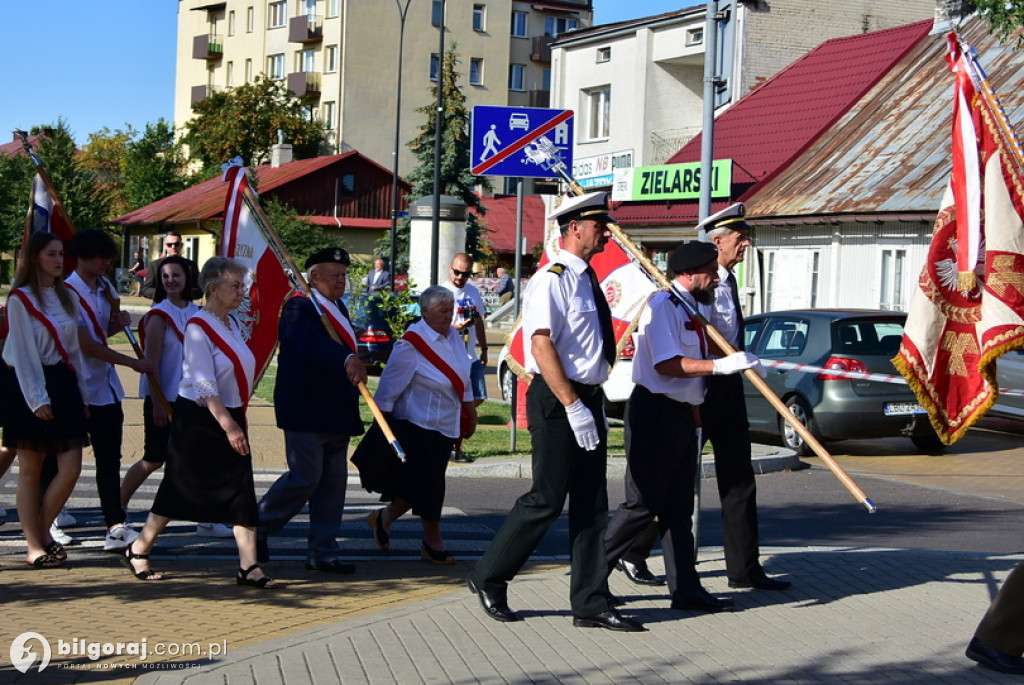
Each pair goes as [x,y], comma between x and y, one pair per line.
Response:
[557,269]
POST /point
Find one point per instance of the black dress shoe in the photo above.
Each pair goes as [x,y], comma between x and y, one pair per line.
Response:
[611,619]
[994,659]
[494,605]
[460,457]
[262,550]
[760,581]
[639,573]
[701,600]
[332,566]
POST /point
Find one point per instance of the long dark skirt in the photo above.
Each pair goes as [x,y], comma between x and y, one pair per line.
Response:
[420,480]
[204,478]
[24,430]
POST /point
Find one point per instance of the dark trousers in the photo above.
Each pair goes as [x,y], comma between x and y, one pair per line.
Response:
[560,468]
[661,461]
[724,419]
[1002,628]
[105,425]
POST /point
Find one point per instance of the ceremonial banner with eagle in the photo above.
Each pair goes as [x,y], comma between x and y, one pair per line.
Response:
[968,308]
[270,286]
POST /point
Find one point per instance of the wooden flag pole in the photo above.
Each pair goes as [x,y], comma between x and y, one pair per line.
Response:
[263,221]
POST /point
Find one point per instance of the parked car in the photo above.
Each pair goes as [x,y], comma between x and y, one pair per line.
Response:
[370,324]
[832,407]
[1009,375]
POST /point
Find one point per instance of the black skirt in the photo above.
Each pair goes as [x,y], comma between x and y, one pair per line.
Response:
[24,430]
[420,480]
[204,478]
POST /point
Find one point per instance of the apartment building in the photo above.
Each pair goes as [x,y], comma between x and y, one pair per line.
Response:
[342,58]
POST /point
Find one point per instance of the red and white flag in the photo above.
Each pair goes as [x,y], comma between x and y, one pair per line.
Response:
[968,308]
[269,285]
[43,216]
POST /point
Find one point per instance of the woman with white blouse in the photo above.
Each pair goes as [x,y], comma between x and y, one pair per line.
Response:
[208,473]
[48,414]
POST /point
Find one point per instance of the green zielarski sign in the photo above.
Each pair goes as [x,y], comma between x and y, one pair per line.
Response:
[670,182]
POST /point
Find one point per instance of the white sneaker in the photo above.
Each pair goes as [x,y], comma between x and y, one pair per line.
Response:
[65,520]
[59,535]
[214,530]
[119,537]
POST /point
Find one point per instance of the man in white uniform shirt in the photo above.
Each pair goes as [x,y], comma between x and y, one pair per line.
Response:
[468,320]
[94,251]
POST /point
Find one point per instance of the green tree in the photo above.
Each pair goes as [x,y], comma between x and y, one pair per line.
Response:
[15,188]
[456,179]
[300,237]
[244,121]
[153,166]
[80,189]
[103,156]
[1004,17]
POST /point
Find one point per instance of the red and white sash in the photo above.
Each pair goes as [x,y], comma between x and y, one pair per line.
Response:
[341,325]
[47,322]
[100,331]
[225,346]
[434,358]
[172,324]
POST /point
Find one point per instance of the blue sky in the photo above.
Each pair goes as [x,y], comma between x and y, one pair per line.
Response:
[109,63]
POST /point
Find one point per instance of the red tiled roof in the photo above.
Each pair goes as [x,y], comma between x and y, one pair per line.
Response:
[15,147]
[348,222]
[206,200]
[769,127]
[500,220]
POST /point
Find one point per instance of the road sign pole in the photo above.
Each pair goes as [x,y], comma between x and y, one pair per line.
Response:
[435,231]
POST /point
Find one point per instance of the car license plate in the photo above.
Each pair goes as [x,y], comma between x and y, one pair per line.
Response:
[902,408]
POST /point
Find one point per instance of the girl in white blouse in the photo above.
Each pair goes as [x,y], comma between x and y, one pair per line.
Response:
[48,414]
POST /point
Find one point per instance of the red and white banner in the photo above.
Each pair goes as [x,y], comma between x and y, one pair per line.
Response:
[269,286]
[969,306]
[43,216]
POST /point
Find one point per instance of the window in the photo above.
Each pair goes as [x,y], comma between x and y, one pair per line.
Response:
[516,76]
[231,23]
[476,71]
[555,26]
[783,337]
[478,17]
[604,54]
[893,266]
[435,13]
[331,58]
[695,36]
[191,249]
[332,8]
[250,19]
[306,60]
[278,14]
[329,116]
[308,112]
[275,66]
[230,77]
[519,24]
[248,71]
[545,77]
[311,9]
[597,106]
[433,66]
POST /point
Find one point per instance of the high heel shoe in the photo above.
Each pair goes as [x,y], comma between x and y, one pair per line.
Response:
[441,558]
[144,574]
[264,583]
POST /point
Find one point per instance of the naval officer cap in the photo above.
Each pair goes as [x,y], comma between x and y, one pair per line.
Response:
[692,255]
[730,217]
[328,255]
[590,206]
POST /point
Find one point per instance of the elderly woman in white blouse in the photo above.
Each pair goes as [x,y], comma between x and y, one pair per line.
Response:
[209,468]
[426,393]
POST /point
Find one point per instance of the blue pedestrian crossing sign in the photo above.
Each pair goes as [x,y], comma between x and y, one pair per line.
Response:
[521,141]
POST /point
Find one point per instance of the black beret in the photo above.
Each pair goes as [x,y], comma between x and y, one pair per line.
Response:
[692,255]
[328,255]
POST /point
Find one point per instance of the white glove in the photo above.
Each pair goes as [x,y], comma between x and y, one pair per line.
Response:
[737,362]
[581,420]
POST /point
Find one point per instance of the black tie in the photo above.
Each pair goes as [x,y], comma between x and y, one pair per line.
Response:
[731,280]
[604,313]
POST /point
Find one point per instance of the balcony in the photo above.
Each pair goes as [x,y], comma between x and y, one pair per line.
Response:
[541,48]
[208,46]
[200,93]
[540,98]
[307,28]
[305,84]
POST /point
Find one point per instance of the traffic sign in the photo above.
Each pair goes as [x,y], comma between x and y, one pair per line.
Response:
[504,141]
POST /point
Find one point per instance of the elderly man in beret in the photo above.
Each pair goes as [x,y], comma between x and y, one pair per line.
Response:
[316,403]
[669,367]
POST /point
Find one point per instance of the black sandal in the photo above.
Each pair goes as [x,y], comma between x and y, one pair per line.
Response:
[264,583]
[439,557]
[375,519]
[46,561]
[56,550]
[144,574]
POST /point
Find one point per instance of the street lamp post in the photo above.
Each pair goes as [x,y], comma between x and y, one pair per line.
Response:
[435,234]
[402,13]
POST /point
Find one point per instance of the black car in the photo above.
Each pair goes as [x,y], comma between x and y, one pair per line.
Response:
[833,407]
[370,324]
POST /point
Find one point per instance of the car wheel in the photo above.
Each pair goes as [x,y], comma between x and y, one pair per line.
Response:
[507,382]
[790,438]
[928,441]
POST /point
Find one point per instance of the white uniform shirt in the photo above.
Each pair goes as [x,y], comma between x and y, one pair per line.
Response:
[209,372]
[466,298]
[666,331]
[30,346]
[173,349]
[564,304]
[101,381]
[723,313]
[415,390]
